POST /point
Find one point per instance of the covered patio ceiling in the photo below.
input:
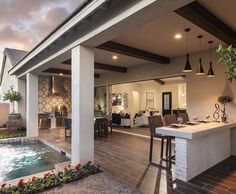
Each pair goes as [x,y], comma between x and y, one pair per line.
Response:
[155,40]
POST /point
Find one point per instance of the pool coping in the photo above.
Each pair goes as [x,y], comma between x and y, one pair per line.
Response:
[57,166]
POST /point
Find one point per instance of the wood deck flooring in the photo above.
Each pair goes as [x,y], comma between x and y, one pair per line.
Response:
[126,157]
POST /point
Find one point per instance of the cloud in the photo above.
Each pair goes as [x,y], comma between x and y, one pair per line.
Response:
[25,23]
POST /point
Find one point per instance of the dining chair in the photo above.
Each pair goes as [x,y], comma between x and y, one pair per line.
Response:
[155,122]
[170,119]
[67,127]
[184,116]
[101,127]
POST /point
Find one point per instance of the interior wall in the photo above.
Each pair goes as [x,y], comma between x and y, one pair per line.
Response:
[202,92]
[158,89]
[132,90]
[47,102]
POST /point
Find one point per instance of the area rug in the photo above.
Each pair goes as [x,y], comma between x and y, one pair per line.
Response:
[101,183]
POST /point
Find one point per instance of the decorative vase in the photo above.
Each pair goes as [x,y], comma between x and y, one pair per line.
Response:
[224,119]
[14,122]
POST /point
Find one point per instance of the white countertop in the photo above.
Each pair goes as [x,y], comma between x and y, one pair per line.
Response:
[195,131]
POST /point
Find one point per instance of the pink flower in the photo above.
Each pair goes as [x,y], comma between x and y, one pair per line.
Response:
[65,169]
[34,178]
[69,165]
[78,166]
[46,174]
[3,185]
[21,183]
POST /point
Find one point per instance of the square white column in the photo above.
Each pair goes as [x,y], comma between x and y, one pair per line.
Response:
[32,105]
[82,147]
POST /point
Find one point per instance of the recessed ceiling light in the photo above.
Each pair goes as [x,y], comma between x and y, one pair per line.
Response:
[178,36]
[114,57]
[61,74]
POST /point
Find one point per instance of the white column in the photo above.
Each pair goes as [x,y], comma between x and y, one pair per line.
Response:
[82,148]
[32,105]
[21,106]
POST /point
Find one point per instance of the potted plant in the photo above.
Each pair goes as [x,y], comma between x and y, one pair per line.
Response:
[224,100]
[228,58]
[14,119]
[13,97]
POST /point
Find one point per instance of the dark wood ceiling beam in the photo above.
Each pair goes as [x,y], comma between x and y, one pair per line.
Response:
[110,67]
[159,81]
[63,71]
[103,66]
[200,16]
[133,52]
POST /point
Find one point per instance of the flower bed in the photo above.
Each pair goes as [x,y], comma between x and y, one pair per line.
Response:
[51,179]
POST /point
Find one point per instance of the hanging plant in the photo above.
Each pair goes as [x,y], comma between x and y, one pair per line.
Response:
[13,97]
[228,58]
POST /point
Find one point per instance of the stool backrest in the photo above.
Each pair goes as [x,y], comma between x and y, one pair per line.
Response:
[154,122]
[184,116]
[170,119]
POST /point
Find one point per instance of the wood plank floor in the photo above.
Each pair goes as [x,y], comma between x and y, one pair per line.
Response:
[126,157]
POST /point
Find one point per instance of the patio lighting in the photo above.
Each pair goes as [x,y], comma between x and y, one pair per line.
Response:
[187,67]
[178,36]
[114,57]
[210,71]
[200,70]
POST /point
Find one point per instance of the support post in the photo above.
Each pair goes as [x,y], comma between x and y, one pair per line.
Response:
[82,147]
[32,105]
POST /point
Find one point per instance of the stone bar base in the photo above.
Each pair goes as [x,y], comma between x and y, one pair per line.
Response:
[194,156]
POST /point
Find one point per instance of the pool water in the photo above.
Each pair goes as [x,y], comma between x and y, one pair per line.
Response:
[17,160]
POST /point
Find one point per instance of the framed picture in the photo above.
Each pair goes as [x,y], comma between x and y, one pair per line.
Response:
[149,100]
[116,99]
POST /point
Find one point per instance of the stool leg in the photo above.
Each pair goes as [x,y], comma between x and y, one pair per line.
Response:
[162,147]
[151,147]
[167,147]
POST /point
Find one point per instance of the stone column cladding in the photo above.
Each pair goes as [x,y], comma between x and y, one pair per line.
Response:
[194,156]
[46,102]
[82,147]
[32,105]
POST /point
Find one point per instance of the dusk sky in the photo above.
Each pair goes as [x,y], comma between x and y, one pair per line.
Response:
[24,23]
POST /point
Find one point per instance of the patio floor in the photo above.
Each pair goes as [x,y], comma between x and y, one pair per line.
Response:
[126,157]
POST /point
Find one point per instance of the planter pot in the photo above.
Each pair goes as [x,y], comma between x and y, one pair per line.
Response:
[14,122]
[224,119]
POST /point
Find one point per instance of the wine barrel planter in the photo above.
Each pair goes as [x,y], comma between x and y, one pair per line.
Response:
[14,122]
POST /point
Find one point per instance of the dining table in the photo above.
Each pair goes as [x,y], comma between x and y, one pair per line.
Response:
[198,146]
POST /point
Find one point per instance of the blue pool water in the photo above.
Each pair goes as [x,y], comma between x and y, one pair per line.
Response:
[17,160]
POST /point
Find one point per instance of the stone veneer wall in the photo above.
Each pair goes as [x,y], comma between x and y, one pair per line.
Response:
[46,102]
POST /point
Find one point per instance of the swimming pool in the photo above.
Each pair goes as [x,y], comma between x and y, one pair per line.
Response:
[22,159]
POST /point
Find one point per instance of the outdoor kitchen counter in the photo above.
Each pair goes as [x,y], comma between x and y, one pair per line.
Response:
[199,147]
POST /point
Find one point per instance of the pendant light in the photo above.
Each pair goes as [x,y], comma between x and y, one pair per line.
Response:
[187,67]
[210,71]
[200,70]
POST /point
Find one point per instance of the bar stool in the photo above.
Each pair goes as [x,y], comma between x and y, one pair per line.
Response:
[154,122]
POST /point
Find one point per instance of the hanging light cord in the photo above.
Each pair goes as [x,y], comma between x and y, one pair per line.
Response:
[187,42]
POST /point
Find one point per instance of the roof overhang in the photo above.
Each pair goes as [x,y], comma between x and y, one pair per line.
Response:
[92,26]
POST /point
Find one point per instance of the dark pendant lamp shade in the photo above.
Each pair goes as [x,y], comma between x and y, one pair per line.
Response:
[187,67]
[210,71]
[200,70]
